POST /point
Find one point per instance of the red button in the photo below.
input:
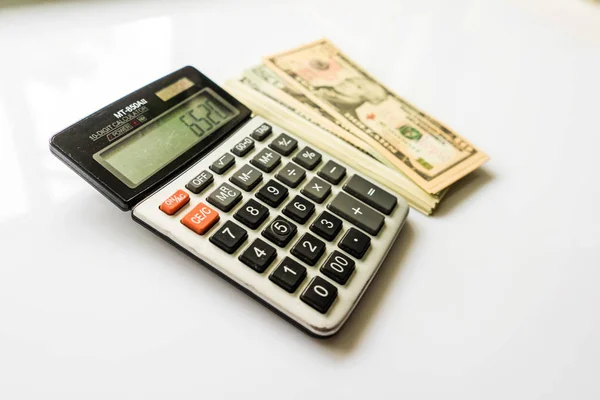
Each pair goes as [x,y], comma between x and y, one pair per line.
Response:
[175,202]
[200,219]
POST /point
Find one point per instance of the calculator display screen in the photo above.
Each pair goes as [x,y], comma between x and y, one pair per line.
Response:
[138,156]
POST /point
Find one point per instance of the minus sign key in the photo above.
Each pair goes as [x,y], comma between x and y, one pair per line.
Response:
[332,172]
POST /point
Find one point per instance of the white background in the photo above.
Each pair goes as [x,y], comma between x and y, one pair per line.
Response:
[495,297]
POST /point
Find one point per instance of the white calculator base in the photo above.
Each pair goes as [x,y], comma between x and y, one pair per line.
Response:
[258,284]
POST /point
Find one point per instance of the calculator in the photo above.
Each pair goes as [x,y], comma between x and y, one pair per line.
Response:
[291,225]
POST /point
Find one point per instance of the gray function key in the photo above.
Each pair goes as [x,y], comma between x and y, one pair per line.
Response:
[266,160]
[371,194]
[223,163]
[316,190]
[243,147]
[291,175]
[246,177]
[308,158]
[225,197]
[332,172]
[262,132]
[200,182]
[357,213]
[284,144]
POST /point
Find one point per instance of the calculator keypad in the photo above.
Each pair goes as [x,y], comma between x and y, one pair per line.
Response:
[299,209]
[252,214]
[200,182]
[266,160]
[319,294]
[223,163]
[273,193]
[229,237]
[280,231]
[225,197]
[316,190]
[284,144]
[288,275]
[284,218]
[246,178]
[291,175]
[259,255]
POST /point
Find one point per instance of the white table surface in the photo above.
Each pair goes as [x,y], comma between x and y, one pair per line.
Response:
[495,297]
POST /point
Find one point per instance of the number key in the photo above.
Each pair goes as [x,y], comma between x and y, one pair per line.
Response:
[319,294]
[309,249]
[326,225]
[288,275]
[338,267]
[273,193]
[299,209]
[280,231]
[258,256]
[229,237]
[252,214]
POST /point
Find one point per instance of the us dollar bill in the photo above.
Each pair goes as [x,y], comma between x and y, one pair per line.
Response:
[265,81]
[429,153]
[255,95]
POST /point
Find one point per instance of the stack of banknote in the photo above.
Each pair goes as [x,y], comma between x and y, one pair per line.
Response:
[318,93]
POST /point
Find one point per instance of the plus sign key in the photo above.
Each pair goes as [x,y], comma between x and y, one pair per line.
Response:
[357,213]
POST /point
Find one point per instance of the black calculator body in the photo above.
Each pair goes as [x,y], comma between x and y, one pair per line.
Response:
[293,226]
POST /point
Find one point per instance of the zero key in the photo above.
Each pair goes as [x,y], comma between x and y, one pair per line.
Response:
[371,194]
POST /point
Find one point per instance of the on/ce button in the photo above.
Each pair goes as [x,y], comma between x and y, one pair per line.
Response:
[200,219]
[174,203]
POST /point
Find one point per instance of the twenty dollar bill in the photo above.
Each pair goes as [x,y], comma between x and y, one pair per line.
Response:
[429,153]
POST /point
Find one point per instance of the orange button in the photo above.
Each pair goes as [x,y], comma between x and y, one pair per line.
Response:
[175,202]
[200,219]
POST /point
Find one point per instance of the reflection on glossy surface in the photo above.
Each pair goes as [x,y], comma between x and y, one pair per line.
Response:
[499,290]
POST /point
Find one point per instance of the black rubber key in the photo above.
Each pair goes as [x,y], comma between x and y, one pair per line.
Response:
[355,243]
[332,172]
[246,177]
[371,194]
[299,209]
[229,237]
[291,175]
[288,275]
[326,225]
[223,163]
[200,182]
[252,214]
[280,231]
[266,160]
[357,213]
[284,144]
[309,249]
[338,267]
[225,197]
[243,147]
[259,255]
[308,158]
[262,132]
[316,189]
[319,294]
[273,193]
